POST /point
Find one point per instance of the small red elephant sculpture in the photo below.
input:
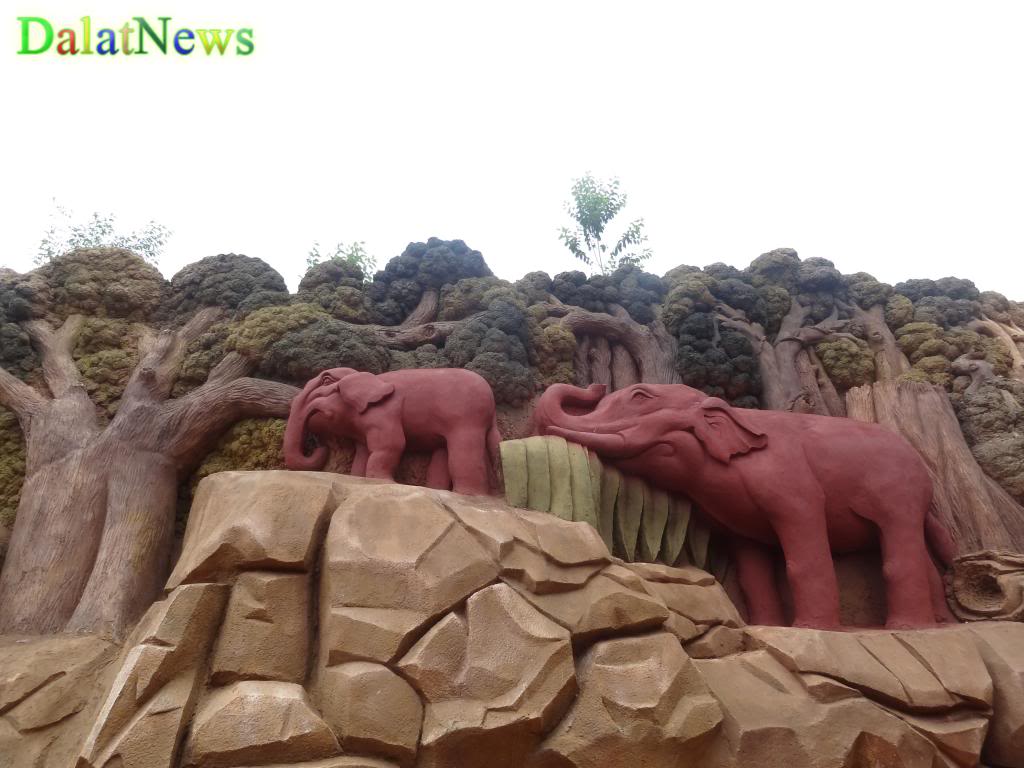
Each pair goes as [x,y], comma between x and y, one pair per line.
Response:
[448,412]
[810,485]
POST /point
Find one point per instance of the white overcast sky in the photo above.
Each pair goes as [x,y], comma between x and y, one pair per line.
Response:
[885,136]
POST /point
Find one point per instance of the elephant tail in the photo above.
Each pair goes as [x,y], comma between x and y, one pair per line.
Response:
[939,538]
[494,452]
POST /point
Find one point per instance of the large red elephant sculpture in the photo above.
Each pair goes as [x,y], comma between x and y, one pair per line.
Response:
[448,412]
[810,485]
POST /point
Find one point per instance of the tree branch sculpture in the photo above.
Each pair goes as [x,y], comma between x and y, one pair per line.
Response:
[890,362]
[792,378]
[93,533]
[618,351]
[1010,336]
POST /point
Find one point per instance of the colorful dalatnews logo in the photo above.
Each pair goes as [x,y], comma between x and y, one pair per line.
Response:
[138,36]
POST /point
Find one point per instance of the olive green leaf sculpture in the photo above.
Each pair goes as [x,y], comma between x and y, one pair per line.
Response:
[637,521]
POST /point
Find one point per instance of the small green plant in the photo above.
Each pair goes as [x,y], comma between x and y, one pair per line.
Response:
[593,206]
[64,234]
[353,253]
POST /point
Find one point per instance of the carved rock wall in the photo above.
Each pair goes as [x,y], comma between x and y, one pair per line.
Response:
[323,621]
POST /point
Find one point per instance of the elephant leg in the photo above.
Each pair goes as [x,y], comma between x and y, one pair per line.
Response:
[384,448]
[809,568]
[939,605]
[905,566]
[468,462]
[756,570]
[437,472]
[359,460]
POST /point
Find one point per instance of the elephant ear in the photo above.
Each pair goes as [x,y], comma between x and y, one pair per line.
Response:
[724,431]
[364,389]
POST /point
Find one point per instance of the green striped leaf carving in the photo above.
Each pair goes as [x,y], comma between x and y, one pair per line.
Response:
[635,520]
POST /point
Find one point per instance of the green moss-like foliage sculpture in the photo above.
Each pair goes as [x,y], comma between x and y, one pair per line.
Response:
[201,356]
[337,288]
[398,288]
[253,335]
[338,319]
[300,354]
[899,311]
[947,302]
[689,292]
[629,287]
[106,352]
[717,360]
[848,363]
[12,466]
[426,356]
[16,354]
[553,347]
[866,291]
[466,297]
[98,283]
[1002,310]
[710,357]
[992,418]
[495,344]
[534,287]
[932,349]
[228,280]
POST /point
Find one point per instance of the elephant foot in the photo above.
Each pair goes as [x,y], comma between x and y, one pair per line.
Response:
[382,477]
[472,489]
[828,625]
[899,624]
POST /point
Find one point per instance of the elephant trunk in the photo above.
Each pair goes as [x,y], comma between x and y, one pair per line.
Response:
[609,444]
[295,437]
[577,415]
[562,405]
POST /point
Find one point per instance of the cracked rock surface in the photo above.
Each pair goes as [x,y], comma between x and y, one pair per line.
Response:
[315,620]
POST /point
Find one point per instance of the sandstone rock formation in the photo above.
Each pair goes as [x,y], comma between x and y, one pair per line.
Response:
[154,693]
[371,709]
[257,722]
[49,688]
[811,698]
[494,681]
[387,626]
[265,629]
[671,714]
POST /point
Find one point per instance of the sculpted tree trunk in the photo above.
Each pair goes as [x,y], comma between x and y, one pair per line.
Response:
[615,350]
[792,378]
[1011,337]
[976,509]
[95,521]
[425,311]
[890,361]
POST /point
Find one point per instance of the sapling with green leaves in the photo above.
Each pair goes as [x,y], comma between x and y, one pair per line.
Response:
[595,204]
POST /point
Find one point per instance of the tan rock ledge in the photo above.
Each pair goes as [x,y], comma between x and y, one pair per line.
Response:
[320,621]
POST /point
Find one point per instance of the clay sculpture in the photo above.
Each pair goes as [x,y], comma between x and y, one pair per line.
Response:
[447,412]
[810,485]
